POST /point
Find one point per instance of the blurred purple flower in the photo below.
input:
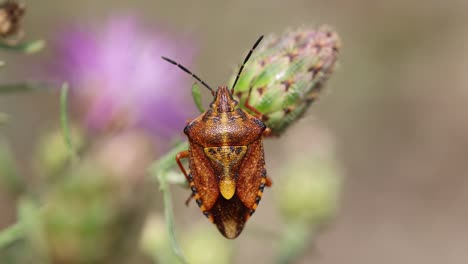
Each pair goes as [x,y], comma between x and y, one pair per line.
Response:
[117,72]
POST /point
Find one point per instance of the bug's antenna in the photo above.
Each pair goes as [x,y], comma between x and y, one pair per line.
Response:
[245,60]
[189,72]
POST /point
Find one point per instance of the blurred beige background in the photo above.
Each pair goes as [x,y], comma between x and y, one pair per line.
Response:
[397,106]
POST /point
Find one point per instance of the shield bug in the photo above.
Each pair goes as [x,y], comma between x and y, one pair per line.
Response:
[226,159]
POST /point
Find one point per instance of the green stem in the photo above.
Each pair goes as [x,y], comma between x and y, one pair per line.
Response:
[64,121]
[166,162]
[11,234]
[159,170]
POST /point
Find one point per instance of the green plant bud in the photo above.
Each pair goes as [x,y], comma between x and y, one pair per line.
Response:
[204,245]
[286,74]
[155,241]
[94,211]
[52,153]
[201,244]
[310,192]
[80,217]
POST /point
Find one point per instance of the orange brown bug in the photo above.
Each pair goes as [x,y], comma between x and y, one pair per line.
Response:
[226,159]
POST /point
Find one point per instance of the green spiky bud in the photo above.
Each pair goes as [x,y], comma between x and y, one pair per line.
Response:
[311,191]
[155,242]
[93,213]
[203,244]
[286,74]
[52,153]
[200,243]
[81,217]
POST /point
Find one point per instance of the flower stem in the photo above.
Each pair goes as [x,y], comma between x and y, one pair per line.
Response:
[11,234]
[160,170]
[65,123]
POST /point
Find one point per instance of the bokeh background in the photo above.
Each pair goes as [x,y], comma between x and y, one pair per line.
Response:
[396,108]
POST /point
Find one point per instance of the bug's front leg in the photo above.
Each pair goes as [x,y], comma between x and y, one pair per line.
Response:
[254,110]
[268,182]
[268,133]
[183,155]
[257,114]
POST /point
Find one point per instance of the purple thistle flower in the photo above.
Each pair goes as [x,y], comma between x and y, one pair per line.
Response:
[117,75]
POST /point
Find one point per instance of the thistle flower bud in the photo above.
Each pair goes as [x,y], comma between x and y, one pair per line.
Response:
[203,244]
[308,196]
[94,212]
[52,153]
[310,192]
[287,73]
[155,242]
[200,243]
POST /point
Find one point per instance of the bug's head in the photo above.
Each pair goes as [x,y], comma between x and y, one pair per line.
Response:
[223,101]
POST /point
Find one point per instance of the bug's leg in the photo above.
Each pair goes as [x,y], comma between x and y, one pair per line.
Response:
[189,199]
[251,108]
[182,155]
[179,156]
[268,182]
[268,133]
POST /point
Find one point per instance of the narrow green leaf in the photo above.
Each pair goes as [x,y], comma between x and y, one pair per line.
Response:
[196,94]
[31,219]
[21,87]
[64,121]
[26,47]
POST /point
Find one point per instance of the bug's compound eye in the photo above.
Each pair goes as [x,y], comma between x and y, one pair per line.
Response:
[188,127]
[286,74]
